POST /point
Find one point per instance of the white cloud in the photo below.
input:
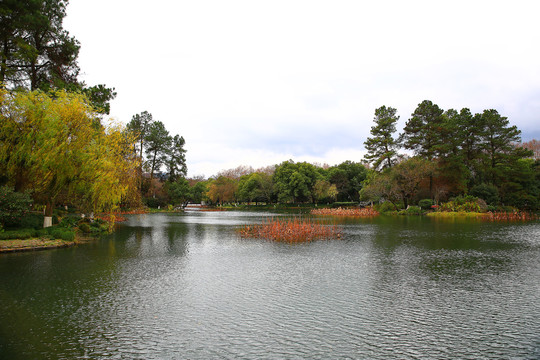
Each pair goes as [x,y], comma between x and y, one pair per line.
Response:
[260,82]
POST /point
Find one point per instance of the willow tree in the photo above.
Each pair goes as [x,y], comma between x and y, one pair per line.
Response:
[56,143]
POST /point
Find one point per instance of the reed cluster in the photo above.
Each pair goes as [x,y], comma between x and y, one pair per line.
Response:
[290,230]
[347,212]
[509,216]
[115,217]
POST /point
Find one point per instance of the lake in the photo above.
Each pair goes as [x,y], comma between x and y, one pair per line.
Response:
[185,286]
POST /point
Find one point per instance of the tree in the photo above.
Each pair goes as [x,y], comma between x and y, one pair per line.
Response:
[13,206]
[140,127]
[534,146]
[295,181]
[423,131]
[109,172]
[222,190]
[199,191]
[409,174]
[37,53]
[236,173]
[498,139]
[12,24]
[487,192]
[468,131]
[180,191]
[382,147]
[323,190]
[338,177]
[520,187]
[55,145]
[176,158]
[401,182]
[356,174]
[381,185]
[461,148]
[157,144]
[248,187]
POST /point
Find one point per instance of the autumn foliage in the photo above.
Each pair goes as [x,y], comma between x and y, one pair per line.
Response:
[290,230]
[353,212]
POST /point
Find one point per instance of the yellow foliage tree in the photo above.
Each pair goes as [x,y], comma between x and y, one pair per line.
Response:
[55,144]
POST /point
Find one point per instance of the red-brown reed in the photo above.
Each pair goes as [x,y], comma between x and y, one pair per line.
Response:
[347,212]
[290,230]
[116,217]
[509,216]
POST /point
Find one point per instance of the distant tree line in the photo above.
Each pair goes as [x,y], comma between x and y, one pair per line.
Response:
[439,155]
[287,183]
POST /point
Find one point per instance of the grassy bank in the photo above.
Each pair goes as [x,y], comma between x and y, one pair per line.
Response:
[66,231]
[33,244]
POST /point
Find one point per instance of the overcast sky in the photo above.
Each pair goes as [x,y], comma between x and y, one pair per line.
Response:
[260,82]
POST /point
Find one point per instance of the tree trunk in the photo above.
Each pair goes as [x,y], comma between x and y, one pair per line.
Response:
[431,186]
[3,67]
[47,221]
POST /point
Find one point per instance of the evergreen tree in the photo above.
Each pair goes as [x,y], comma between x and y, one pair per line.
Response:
[140,127]
[157,144]
[37,53]
[176,158]
[423,131]
[382,147]
[498,139]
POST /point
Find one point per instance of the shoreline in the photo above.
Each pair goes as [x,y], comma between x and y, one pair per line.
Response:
[35,244]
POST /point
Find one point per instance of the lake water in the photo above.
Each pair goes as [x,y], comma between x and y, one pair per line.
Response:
[185,286]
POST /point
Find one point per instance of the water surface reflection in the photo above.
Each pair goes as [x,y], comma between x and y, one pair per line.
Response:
[186,286]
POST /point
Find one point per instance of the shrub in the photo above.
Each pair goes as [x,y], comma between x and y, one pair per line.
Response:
[93,227]
[154,202]
[32,221]
[42,233]
[13,206]
[63,234]
[69,221]
[464,204]
[425,204]
[386,207]
[411,210]
[488,192]
[17,234]
[85,228]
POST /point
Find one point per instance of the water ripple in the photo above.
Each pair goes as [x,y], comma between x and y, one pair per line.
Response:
[167,287]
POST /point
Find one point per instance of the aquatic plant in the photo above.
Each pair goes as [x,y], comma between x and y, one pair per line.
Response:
[290,230]
[347,212]
[509,216]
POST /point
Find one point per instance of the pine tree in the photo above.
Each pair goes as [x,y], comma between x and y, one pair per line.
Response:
[382,147]
[423,132]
